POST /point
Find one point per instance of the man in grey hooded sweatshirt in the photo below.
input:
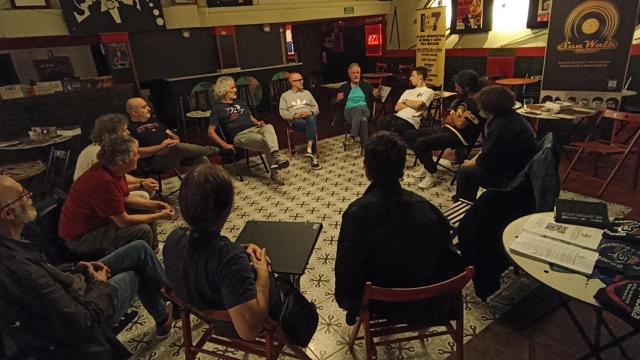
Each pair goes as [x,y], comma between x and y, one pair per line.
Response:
[300,109]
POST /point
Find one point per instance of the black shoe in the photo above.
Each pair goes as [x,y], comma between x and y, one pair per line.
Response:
[279,163]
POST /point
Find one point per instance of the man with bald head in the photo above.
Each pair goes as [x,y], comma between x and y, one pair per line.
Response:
[67,312]
[161,145]
[300,109]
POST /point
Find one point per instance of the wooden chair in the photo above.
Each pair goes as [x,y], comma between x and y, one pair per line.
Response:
[269,346]
[292,134]
[376,327]
[624,136]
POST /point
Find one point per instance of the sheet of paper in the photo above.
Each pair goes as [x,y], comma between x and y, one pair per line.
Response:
[583,236]
[384,92]
[555,252]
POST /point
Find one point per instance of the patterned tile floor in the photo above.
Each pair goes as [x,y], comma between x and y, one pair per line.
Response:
[322,196]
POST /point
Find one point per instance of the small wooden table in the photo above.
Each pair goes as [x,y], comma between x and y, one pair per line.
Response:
[517,81]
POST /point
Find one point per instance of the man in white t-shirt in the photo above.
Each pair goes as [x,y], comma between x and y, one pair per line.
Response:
[410,108]
[105,126]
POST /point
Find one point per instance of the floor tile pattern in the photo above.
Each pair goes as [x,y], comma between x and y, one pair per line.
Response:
[322,196]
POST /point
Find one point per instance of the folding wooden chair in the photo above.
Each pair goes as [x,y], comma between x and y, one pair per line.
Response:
[455,214]
[269,346]
[624,136]
[375,327]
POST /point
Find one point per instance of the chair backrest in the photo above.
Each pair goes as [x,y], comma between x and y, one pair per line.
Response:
[221,315]
[621,120]
[57,165]
[456,283]
[276,89]
[244,94]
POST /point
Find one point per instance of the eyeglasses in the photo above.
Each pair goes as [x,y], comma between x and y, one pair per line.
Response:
[297,80]
[23,195]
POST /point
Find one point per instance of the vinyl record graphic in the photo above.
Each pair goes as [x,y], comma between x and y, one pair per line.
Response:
[592,20]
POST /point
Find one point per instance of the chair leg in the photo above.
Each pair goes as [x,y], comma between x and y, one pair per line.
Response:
[615,169]
[289,143]
[187,339]
[369,344]
[237,170]
[264,163]
[268,347]
[459,339]
[354,334]
[573,162]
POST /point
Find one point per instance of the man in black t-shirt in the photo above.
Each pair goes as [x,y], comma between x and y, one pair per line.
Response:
[241,129]
[161,145]
[462,127]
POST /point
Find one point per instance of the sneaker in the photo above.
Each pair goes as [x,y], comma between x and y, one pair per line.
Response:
[420,173]
[349,141]
[308,154]
[314,164]
[276,178]
[164,330]
[279,163]
[427,183]
[446,163]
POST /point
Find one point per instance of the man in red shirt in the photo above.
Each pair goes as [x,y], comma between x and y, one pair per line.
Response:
[94,219]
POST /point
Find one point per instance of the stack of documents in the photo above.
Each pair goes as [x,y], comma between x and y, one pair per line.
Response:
[571,246]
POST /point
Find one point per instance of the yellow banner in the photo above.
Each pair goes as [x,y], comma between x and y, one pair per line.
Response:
[431,31]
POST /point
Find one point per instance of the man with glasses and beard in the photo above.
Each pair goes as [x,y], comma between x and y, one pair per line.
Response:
[67,312]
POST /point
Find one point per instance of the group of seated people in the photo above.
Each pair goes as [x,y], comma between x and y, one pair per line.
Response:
[389,236]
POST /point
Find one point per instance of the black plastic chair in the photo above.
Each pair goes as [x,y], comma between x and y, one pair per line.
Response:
[239,155]
[56,174]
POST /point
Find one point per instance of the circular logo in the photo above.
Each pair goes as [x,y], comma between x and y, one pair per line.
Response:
[599,18]
[590,26]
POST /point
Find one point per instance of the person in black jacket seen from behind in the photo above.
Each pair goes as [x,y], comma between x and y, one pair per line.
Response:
[393,237]
[356,98]
[508,147]
[67,312]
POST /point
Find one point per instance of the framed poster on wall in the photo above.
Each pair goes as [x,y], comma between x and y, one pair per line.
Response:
[471,16]
[539,11]
[30,4]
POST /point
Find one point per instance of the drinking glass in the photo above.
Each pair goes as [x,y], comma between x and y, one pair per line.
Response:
[527,102]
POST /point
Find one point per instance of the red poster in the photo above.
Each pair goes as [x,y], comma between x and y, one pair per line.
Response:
[469,14]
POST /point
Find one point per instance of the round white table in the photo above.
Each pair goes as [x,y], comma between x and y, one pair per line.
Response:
[574,285]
